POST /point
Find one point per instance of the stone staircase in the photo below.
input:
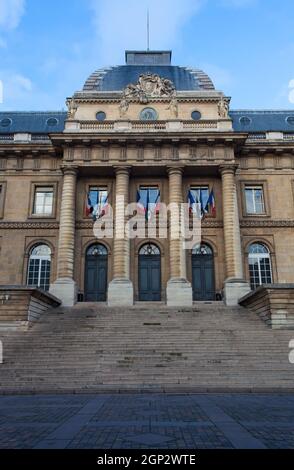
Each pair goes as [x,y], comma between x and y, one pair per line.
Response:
[92,348]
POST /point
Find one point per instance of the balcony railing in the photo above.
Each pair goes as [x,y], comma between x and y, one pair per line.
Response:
[145,126]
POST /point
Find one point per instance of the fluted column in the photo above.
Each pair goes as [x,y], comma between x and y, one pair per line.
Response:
[235,285]
[179,290]
[65,287]
[175,197]
[120,291]
[121,251]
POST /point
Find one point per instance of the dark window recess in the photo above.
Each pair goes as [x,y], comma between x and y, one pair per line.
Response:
[245,121]
[290,120]
[6,122]
[101,116]
[52,122]
[196,115]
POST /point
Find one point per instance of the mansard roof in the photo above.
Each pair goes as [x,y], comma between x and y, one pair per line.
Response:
[32,122]
[118,78]
[263,120]
[39,122]
[146,62]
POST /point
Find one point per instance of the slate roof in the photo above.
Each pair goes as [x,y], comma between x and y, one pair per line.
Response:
[37,122]
[32,122]
[262,121]
[118,78]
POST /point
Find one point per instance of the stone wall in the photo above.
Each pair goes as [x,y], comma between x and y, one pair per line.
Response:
[274,304]
[24,305]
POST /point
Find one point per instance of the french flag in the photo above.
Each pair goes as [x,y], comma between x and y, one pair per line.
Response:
[89,206]
[140,206]
[211,206]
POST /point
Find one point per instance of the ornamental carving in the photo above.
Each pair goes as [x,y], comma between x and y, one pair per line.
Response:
[224,108]
[29,225]
[149,86]
[72,108]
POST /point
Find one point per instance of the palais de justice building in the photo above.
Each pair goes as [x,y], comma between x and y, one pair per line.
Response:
[160,131]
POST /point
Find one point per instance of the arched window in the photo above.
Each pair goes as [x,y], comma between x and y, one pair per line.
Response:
[39,268]
[97,250]
[202,249]
[149,250]
[259,265]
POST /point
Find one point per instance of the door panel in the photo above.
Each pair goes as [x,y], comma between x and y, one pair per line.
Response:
[150,278]
[96,279]
[203,277]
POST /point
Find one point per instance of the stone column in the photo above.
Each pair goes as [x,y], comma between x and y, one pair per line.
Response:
[65,287]
[235,285]
[120,291]
[179,290]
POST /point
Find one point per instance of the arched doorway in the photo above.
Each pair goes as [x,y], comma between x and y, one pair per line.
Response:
[150,273]
[39,268]
[260,267]
[96,274]
[203,275]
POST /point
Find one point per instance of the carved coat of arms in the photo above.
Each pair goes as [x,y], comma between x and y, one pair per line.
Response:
[148,86]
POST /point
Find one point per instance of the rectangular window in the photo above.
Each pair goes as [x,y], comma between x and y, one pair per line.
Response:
[201,193]
[254,200]
[43,201]
[99,198]
[149,194]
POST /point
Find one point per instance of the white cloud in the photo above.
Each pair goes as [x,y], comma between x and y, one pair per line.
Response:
[16,87]
[122,24]
[11,12]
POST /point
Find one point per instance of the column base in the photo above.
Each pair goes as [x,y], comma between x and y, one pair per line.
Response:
[65,289]
[234,290]
[120,293]
[179,293]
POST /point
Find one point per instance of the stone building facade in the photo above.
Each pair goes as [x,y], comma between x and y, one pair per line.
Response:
[146,128]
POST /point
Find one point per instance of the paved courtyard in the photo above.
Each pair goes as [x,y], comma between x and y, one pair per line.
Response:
[147,421]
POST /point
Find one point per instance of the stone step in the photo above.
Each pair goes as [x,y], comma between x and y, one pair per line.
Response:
[92,348]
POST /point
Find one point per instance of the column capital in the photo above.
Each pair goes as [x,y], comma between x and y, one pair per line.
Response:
[228,169]
[70,170]
[175,169]
[122,169]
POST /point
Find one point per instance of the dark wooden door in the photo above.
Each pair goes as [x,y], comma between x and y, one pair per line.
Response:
[150,278]
[203,277]
[96,279]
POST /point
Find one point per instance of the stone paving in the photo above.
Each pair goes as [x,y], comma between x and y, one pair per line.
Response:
[147,421]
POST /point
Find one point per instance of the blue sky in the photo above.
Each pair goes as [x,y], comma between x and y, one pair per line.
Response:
[48,49]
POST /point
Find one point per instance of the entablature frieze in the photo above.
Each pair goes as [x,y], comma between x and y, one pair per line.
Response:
[29,225]
[81,225]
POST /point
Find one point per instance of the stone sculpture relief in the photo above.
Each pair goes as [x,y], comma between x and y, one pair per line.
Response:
[72,108]
[174,107]
[148,86]
[223,107]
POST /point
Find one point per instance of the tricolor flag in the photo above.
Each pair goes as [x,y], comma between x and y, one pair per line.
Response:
[102,207]
[140,205]
[89,206]
[157,203]
[147,207]
[195,205]
[210,206]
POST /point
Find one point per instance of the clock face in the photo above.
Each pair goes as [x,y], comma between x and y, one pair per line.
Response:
[148,114]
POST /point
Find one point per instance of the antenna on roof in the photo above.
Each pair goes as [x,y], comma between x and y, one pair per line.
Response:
[148,30]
